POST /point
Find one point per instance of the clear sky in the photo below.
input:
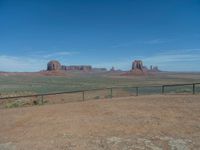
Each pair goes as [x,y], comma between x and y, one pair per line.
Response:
[102,33]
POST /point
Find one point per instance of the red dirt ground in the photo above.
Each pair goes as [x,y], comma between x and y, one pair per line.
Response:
[141,123]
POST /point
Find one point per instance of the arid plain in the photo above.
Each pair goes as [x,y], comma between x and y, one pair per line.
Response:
[149,121]
[139,123]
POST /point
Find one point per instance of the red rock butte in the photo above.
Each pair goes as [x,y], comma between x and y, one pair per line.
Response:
[138,68]
[53,65]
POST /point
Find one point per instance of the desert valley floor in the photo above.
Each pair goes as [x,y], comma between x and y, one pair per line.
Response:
[153,122]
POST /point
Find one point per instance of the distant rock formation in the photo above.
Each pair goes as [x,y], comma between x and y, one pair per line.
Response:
[154,69]
[99,69]
[112,69]
[139,70]
[137,64]
[83,67]
[53,65]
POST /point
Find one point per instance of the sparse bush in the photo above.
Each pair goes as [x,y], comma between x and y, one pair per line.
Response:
[22,102]
[15,104]
[35,102]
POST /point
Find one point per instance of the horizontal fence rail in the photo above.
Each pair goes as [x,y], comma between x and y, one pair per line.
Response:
[111,88]
[120,91]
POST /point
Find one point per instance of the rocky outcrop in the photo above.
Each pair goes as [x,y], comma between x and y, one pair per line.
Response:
[99,69]
[82,67]
[53,65]
[154,69]
[137,64]
[112,69]
[138,68]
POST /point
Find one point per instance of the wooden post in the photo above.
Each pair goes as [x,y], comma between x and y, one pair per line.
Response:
[193,89]
[42,98]
[83,95]
[137,91]
[111,92]
[163,89]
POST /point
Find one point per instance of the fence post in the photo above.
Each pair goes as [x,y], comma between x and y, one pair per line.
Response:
[83,95]
[111,92]
[163,89]
[42,99]
[193,88]
[137,91]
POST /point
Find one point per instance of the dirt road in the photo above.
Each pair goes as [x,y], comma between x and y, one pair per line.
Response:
[141,123]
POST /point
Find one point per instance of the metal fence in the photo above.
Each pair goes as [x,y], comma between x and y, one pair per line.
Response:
[74,96]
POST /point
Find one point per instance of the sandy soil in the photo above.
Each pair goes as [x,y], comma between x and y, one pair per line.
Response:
[138,123]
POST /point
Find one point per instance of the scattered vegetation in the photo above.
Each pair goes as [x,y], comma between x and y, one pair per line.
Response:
[23,102]
[24,85]
[14,104]
[29,85]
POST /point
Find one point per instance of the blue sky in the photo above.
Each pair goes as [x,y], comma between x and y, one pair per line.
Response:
[103,33]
